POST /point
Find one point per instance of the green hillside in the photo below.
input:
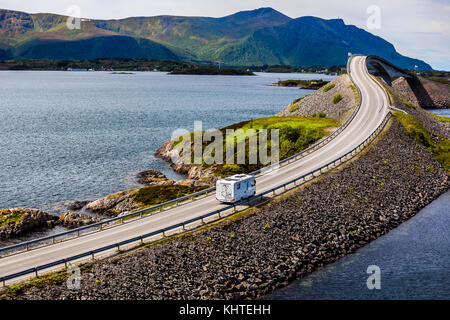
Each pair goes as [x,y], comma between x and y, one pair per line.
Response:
[258,37]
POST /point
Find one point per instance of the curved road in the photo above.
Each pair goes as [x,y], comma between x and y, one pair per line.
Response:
[374,107]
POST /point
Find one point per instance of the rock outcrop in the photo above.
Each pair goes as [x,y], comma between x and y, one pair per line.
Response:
[153,178]
[77,205]
[170,153]
[75,219]
[114,204]
[173,154]
[21,221]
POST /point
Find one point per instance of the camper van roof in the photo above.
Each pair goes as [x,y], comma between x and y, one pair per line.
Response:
[238,177]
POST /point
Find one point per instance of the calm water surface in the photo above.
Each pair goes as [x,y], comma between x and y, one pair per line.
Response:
[440,112]
[77,135]
[414,260]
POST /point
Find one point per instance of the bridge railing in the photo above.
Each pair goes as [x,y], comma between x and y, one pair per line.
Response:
[294,183]
[108,223]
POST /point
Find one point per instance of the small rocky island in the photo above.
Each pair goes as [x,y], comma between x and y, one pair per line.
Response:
[303,84]
[214,72]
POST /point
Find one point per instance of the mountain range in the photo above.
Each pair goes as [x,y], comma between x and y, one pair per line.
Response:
[259,37]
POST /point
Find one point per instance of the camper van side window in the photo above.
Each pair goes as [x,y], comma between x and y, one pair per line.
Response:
[238,186]
[253,183]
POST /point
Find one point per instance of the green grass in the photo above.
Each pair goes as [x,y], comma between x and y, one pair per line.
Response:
[409,104]
[440,118]
[153,195]
[329,87]
[296,133]
[355,92]
[7,216]
[440,147]
[337,98]
[440,80]
[294,107]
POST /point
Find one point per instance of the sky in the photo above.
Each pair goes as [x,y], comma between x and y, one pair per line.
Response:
[417,28]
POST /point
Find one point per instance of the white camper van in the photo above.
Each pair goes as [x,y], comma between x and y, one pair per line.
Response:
[235,188]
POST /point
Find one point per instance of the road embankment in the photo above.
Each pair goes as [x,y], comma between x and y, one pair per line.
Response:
[279,242]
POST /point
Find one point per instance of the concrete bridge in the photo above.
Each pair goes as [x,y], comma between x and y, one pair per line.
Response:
[386,69]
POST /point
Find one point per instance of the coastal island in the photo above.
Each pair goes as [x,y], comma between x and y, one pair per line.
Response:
[303,84]
[213,71]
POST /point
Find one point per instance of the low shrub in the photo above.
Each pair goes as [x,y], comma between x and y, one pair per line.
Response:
[329,87]
[153,195]
[337,98]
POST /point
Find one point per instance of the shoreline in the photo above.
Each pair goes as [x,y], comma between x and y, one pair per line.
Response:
[403,249]
[290,237]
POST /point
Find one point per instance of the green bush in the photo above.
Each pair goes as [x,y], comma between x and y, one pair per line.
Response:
[322,115]
[298,100]
[7,216]
[329,87]
[153,195]
[294,107]
[337,98]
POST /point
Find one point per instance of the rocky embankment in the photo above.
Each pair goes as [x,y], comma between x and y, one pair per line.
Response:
[73,219]
[20,221]
[423,92]
[115,203]
[279,242]
[321,101]
[436,128]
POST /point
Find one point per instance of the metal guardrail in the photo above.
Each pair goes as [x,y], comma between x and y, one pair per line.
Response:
[388,97]
[304,179]
[52,239]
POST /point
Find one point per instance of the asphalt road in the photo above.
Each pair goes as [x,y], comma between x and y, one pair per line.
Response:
[373,109]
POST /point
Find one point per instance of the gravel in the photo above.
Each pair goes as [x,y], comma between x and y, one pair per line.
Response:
[322,102]
[279,242]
